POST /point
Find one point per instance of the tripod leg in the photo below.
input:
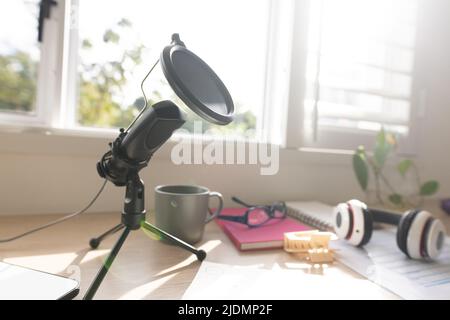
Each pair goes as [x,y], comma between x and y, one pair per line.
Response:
[104,269]
[201,254]
[95,242]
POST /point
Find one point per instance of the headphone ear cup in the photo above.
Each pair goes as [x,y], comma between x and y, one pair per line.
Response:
[403,228]
[353,222]
[419,235]
[434,238]
[362,223]
[342,221]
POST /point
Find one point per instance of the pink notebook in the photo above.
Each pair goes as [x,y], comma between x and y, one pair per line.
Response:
[267,236]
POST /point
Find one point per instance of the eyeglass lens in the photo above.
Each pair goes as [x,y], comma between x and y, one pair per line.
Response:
[257,217]
[278,210]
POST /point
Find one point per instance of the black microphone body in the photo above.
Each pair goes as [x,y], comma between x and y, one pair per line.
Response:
[132,149]
[152,130]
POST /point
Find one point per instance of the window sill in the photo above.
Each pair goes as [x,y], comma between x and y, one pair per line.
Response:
[90,142]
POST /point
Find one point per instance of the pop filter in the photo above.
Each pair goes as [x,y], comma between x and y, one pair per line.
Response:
[196,84]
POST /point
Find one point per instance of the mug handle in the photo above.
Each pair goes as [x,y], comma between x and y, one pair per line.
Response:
[219,208]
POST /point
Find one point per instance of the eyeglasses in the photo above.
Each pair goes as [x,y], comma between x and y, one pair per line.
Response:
[256,216]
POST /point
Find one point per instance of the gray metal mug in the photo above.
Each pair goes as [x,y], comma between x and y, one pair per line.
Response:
[182,210]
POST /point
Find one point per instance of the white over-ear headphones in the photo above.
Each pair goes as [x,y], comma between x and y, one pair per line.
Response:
[419,234]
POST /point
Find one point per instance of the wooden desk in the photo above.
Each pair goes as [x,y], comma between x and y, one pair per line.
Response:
[144,269]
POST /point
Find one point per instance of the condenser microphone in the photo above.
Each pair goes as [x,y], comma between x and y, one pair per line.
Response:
[201,90]
[133,148]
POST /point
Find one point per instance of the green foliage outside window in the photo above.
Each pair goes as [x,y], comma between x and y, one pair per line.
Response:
[18,74]
[99,85]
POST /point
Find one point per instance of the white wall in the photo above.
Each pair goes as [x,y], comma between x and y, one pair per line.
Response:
[55,173]
[433,74]
[39,182]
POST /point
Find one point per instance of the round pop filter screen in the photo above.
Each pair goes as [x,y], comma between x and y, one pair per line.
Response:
[196,83]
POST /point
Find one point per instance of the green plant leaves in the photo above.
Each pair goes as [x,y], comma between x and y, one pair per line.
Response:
[385,142]
[396,199]
[86,44]
[111,36]
[403,166]
[124,23]
[429,188]
[364,162]
[361,168]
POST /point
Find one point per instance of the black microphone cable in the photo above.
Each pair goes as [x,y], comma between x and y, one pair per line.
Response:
[60,220]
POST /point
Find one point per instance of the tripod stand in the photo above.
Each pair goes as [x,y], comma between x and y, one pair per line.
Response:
[133,218]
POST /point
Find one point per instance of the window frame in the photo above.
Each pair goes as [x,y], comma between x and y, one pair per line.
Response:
[68,110]
[49,77]
[282,113]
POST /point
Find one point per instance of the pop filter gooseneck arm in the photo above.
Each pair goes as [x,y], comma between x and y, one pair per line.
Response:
[145,97]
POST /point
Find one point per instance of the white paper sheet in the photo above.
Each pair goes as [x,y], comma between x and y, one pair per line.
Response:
[222,281]
[383,263]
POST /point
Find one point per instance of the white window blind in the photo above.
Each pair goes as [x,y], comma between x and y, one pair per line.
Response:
[360,58]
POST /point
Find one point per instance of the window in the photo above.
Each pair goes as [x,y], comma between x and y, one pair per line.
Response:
[359,66]
[303,73]
[117,49]
[19,56]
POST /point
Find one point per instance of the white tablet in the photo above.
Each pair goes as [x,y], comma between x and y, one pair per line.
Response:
[20,283]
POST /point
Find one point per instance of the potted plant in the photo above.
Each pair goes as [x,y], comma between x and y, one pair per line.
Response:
[376,178]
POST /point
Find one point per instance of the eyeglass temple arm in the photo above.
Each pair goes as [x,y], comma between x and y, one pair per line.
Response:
[233,218]
[237,200]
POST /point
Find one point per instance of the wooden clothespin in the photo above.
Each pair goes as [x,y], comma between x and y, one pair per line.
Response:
[310,245]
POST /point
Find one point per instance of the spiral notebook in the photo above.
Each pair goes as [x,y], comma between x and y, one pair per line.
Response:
[311,213]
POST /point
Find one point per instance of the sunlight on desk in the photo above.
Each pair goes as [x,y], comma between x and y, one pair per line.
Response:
[149,269]
[208,247]
[144,290]
[221,281]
